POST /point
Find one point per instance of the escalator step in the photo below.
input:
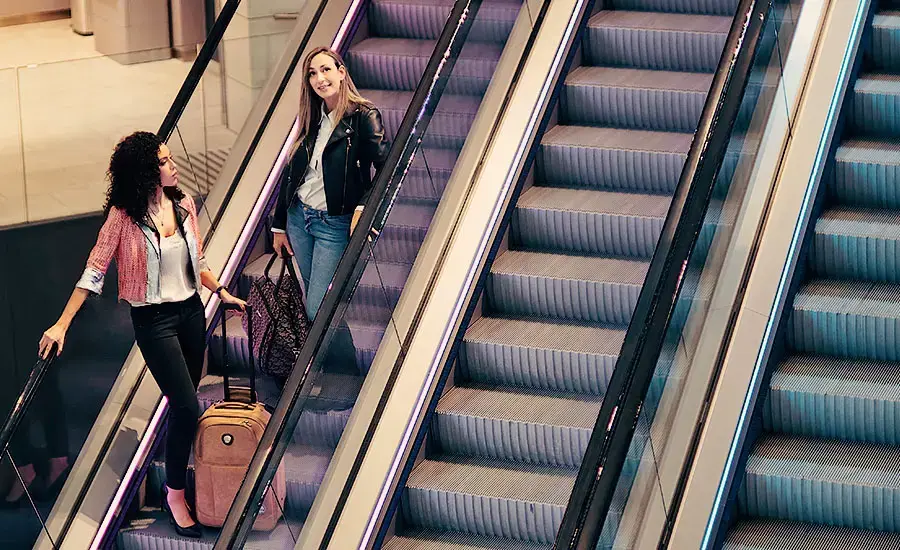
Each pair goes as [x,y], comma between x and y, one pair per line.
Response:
[875,107]
[632,98]
[406,227]
[366,338]
[398,64]
[849,319]
[885,54]
[612,158]
[578,288]
[830,398]
[784,535]
[586,221]
[540,354]
[838,483]
[304,469]
[423,539]
[528,426]
[449,125]
[861,244]
[428,176]
[485,498]
[709,7]
[151,531]
[655,40]
[865,173]
[424,19]
[378,292]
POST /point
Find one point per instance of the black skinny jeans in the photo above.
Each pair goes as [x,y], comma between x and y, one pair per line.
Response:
[172,338]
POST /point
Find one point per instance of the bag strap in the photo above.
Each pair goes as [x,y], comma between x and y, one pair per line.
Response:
[269,265]
[226,367]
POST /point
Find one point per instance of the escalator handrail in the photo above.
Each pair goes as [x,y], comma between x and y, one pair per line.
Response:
[198,69]
[25,398]
[385,190]
[605,456]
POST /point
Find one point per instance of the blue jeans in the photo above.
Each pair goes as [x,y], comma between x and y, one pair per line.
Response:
[318,240]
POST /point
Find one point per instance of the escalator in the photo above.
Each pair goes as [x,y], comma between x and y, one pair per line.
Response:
[821,470]
[390,46]
[509,435]
[386,60]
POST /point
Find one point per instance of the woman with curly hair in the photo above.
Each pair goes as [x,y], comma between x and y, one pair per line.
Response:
[151,230]
[328,180]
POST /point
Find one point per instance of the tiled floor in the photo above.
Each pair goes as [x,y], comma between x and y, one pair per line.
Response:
[62,109]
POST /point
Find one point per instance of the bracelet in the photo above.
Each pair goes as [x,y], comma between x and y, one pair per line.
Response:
[219,290]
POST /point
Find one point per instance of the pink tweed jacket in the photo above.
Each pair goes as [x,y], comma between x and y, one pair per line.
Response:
[136,250]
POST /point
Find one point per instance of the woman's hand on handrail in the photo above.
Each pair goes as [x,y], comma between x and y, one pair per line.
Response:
[55,335]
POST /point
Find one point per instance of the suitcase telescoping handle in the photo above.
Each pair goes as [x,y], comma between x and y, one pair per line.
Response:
[225,366]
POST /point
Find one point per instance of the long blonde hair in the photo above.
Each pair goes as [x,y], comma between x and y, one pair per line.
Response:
[311,103]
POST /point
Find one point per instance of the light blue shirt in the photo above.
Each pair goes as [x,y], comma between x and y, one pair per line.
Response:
[312,191]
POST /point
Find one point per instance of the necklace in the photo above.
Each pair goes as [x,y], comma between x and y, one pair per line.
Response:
[157,216]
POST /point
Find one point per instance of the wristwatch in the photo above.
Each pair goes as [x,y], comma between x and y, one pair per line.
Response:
[219,290]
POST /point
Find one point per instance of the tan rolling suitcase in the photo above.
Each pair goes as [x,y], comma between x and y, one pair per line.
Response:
[227,436]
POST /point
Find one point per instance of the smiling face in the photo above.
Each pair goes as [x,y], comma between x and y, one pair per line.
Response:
[325,78]
[168,172]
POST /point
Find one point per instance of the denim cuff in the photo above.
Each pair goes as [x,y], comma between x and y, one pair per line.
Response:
[91,280]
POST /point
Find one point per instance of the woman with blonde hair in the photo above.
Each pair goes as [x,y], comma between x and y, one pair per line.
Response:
[326,184]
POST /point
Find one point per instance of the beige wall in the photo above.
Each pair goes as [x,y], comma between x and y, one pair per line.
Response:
[24,7]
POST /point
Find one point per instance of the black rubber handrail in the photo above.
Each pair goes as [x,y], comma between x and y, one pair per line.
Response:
[387,184]
[626,394]
[25,398]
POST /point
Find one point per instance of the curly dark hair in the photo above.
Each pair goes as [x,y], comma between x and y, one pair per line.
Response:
[134,176]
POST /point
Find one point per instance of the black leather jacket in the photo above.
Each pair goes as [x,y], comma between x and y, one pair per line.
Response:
[357,144]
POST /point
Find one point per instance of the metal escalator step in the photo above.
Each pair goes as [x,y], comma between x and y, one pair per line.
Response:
[861,244]
[428,176]
[654,40]
[398,64]
[378,292]
[545,355]
[151,531]
[304,468]
[756,534]
[665,101]
[586,221]
[424,539]
[424,19]
[366,338]
[578,288]
[885,52]
[831,398]
[850,319]
[612,158]
[875,106]
[487,498]
[404,232]
[829,482]
[865,173]
[448,127]
[519,425]
[708,7]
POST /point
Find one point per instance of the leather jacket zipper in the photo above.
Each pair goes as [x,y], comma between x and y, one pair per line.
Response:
[346,170]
